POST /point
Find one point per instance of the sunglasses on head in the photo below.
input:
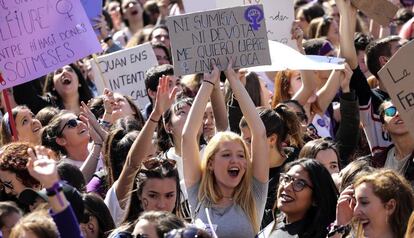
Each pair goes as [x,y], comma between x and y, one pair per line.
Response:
[155,163]
[72,123]
[390,111]
[124,234]
[297,183]
[190,232]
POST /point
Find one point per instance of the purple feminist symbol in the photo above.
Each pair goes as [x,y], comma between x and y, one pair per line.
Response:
[254,15]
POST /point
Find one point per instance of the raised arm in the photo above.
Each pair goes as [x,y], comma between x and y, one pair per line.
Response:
[139,149]
[327,93]
[347,24]
[190,152]
[259,147]
[219,108]
[42,168]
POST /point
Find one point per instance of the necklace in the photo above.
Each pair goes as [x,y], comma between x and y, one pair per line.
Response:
[229,198]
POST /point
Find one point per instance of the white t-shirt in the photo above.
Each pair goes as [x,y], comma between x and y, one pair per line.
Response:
[111,201]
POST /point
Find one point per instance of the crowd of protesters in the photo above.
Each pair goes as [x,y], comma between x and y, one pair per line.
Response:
[228,154]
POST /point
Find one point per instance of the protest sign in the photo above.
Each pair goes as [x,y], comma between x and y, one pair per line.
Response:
[201,39]
[283,57]
[93,9]
[398,78]
[279,15]
[124,72]
[37,37]
[381,11]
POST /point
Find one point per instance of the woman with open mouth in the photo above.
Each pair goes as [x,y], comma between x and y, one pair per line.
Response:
[226,189]
[306,200]
[28,128]
[378,204]
[65,88]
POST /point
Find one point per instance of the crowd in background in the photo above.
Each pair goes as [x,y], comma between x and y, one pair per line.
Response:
[233,154]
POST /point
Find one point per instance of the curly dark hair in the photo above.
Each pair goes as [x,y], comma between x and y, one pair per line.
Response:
[14,159]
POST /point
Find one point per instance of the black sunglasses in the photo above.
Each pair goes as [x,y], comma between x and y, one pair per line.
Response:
[189,232]
[72,123]
[124,234]
[298,184]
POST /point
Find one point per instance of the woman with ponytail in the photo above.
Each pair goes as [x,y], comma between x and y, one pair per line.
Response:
[282,127]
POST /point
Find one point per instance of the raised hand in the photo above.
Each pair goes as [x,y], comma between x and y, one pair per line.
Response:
[345,206]
[297,35]
[109,101]
[89,118]
[346,78]
[213,77]
[165,97]
[42,167]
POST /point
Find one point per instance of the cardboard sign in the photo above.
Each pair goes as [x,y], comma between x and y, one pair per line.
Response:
[93,9]
[124,72]
[279,15]
[381,11]
[37,37]
[283,57]
[201,39]
[398,77]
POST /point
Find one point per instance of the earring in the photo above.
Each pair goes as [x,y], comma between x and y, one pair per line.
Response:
[80,85]
[385,136]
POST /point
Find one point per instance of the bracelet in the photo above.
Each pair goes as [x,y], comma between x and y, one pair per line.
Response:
[154,120]
[209,82]
[55,189]
[109,113]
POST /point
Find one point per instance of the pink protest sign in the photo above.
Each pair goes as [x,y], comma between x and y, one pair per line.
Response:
[39,36]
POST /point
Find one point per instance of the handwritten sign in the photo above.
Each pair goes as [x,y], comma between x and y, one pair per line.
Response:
[39,36]
[398,78]
[124,72]
[279,15]
[201,39]
[93,9]
[283,57]
[381,11]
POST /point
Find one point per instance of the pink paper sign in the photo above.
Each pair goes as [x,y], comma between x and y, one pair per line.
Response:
[39,36]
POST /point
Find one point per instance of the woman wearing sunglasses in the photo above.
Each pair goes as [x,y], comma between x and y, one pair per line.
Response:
[399,155]
[69,136]
[226,185]
[306,200]
[156,186]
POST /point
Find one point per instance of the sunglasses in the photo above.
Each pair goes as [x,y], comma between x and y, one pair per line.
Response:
[297,183]
[190,232]
[7,184]
[72,123]
[124,234]
[390,111]
[155,163]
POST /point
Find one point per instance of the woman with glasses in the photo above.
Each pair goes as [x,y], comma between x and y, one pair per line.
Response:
[226,185]
[155,181]
[27,127]
[306,201]
[69,136]
[398,156]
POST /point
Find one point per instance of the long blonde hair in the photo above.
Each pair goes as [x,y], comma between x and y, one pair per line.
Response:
[243,193]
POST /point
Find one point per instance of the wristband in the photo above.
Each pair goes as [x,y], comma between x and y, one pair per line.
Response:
[154,120]
[209,82]
[55,189]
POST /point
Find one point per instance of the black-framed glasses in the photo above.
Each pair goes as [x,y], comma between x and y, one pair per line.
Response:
[154,163]
[390,111]
[72,123]
[297,183]
[6,184]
